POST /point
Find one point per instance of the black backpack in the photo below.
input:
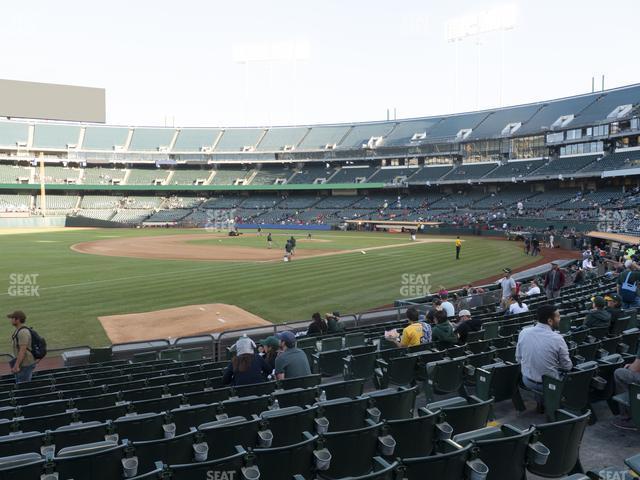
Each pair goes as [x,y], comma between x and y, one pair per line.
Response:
[38,344]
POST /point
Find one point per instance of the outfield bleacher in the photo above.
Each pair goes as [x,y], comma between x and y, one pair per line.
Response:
[14,174]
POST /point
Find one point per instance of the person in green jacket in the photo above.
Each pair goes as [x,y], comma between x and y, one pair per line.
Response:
[598,317]
[442,330]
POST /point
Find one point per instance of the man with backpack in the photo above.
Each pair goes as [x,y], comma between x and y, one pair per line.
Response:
[415,333]
[628,285]
[24,362]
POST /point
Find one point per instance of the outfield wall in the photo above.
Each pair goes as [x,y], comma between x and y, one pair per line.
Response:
[277,226]
[31,222]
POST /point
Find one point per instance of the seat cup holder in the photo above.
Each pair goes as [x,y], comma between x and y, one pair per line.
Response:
[130,467]
[322,425]
[374,414]
[599,383]
[201,451]
[386,445]
[478,470]
[169,430]
[539,453]
[250,473]
[265,438]
[445,431]
[322,459]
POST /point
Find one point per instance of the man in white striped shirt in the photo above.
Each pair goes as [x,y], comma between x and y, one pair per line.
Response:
[542,351]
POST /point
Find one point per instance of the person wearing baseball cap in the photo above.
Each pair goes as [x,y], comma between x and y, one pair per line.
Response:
[245,367]
[614,307]
[23,363]
[270,345]
[598,317]
[508,286]
[291,362]
[466,324]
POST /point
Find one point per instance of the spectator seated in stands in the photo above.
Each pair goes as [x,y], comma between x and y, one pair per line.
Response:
[599,316]
[614,307]
[628,285]
[412,334]
[442,330]
[318,326]
[517,305]
[534,289]
[578,277]
[447,306]
[245,367]
[270,346]
[436,305]
[291,362]
[465,325]
[542,351]
[625,376]
[333,323]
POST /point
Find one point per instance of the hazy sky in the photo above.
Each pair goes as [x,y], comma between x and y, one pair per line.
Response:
[174,59]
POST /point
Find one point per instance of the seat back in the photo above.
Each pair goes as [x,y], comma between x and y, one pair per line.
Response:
[264,388]
[347,461]
[190,416]
[329,362]
[394,403]
[222,436]
[444,376]
[344,413]
[499,382]
[563,439]
[230,466]
[21,443]
[170,451]
[145,426]
[246,406]
[348,388]
[78,434]
[331,343]
[360,366]
[99,461]
[28,465]
[286,461]
[464,415]
[449,465]
[287,424]
[415,437]
[296,397]
[307,381]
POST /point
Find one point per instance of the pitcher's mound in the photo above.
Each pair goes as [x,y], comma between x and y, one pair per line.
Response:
[178,322]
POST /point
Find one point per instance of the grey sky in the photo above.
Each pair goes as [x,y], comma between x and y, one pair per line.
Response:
[174,59]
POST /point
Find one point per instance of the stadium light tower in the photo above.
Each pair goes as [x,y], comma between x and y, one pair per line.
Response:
[474,27]
[271,53]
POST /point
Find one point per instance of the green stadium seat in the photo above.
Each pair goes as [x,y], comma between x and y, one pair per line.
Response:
[189,354]
[631,400]
[28,465]
[506,354]
[265,388]
[170,354]
[170,451]
[222,436]
[77,434]
[346,413]
[208,396]
[494,445]
[143,426]
[156,405]
[286,462]
[417,437]
[287,424]
[145,357]
[100,355]
[500,381]
[231,465]
[571,392]
[359,366]
[331,343]
[97,401]
[99,461]
[354,339]
[462,414]
[142,394]
[394,403]
[563,439]
[187,416]
[296,397]
[444,377]
[452,462]
[43,408]
[347,461]
[103,414]
[395,371]
[300,382]
[20,443]
[245,406]
[328,362]
[348,388]
[46,422]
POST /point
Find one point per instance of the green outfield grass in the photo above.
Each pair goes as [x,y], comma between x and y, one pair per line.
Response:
[75,288]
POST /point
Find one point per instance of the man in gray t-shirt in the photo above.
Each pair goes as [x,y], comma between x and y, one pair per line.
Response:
[291,362]
[508,286]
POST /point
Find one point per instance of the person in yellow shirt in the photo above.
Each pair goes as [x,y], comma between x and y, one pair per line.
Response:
[458,247]
[412,333]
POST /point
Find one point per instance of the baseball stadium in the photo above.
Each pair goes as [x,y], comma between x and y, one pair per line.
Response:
[441,296]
